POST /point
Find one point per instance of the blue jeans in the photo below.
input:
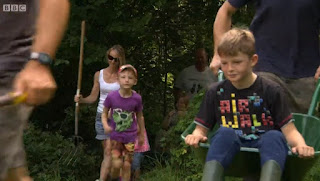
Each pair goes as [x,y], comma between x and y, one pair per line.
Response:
[226,144]
[101,135]
[137,160]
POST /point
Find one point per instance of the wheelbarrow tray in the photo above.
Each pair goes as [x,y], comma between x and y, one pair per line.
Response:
[247,161]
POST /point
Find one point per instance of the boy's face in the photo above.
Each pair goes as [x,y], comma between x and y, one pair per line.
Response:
[238,68]
[127,79]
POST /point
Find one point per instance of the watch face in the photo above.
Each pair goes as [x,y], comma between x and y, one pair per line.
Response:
[45,59]
[41,57]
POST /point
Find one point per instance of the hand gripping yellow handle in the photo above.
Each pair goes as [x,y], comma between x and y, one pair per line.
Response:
[12,98]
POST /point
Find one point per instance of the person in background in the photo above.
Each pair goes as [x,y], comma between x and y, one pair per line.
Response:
[124,108]
[260,119]
[195,77]
[138,156]
[287,44]
[104,81]
[170,121]
[29,40]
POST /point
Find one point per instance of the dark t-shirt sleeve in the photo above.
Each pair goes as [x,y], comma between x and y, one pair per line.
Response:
[205,116]
[238,3]
[279,108]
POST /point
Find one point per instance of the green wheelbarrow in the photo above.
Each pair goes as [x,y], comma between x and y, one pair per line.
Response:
[247,161]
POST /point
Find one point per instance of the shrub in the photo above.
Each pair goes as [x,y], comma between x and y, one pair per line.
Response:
[181,155]
[52,157]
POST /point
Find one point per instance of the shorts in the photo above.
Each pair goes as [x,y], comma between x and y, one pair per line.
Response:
[122,150]
[101,135]
[137,160]
[13,120]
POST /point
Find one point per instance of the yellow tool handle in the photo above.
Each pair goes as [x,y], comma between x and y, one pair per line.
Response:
[12,98]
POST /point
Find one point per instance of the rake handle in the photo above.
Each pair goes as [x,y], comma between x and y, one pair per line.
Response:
[83,24]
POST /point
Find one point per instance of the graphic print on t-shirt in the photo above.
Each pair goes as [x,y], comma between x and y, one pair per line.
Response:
[247,116]
[196,87]
[123,119]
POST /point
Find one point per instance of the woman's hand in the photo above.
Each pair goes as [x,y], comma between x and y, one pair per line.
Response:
[77,98]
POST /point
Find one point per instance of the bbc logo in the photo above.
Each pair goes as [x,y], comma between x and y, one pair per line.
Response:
[14,8]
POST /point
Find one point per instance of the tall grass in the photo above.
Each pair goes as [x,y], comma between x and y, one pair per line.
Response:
[159,169]
[166,172]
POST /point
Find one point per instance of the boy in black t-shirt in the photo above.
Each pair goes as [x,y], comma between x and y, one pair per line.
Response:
[251,111]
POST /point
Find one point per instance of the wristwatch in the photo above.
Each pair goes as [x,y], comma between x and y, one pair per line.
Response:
[43,58]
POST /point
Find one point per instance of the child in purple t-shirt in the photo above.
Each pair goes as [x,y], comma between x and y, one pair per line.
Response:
[125,107]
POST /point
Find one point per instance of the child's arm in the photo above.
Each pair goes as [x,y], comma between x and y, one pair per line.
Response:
[198,135]
[296,141]
[141,126]
[104,120]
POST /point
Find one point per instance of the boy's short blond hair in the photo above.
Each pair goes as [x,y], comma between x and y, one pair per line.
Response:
[237,40]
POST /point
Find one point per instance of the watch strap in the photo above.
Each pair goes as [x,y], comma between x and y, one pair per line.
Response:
[43,58]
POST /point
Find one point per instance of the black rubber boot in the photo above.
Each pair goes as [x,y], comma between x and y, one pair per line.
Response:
[213,171]
[270,171]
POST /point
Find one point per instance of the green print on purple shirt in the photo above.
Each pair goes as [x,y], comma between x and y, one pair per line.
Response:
[123,119]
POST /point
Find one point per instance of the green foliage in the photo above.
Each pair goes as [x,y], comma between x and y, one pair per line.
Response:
[183,162]
[181,155]
[52,157]
[159,37]
[86,126]
[163,172]
[314,173]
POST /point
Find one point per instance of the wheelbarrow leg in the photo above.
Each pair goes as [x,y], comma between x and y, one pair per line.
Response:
[270,171]
[213,170]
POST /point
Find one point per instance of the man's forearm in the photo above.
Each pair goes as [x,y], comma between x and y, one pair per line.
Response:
[51,24]
[222,22]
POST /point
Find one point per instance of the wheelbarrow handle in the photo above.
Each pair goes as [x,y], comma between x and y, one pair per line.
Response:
[315,99]
[220,75]
[12,98]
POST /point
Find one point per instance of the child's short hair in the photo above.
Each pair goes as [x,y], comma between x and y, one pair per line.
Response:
[128,67]
[237,40]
